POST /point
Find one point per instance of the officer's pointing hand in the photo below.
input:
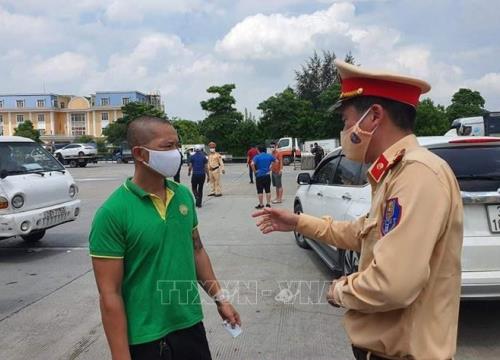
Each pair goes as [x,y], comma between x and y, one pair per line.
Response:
[269,220]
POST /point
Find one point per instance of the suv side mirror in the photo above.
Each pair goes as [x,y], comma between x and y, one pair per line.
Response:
[304,179]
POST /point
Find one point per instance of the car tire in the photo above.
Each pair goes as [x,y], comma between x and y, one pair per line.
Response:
[299,238]
[350,262]
[81,153]
[82,164]
[73,163]
[34,236]
[124,161]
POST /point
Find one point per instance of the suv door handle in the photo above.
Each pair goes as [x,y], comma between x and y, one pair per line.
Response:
[347,196]
[320,193]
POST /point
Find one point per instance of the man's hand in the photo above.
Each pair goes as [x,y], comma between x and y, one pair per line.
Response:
[227,312]
[223,172]
[272,219]
[331,296]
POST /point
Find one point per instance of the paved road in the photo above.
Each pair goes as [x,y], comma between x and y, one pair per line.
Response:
[48,300]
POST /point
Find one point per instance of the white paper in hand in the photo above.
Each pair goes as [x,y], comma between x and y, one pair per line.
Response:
[233,332]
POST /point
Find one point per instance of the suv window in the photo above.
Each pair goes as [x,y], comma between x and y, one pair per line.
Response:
[347,173]
[324,174]
[477,168]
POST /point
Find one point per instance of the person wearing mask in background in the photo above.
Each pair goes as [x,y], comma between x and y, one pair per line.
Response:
[144,242]
[261,165]
[403,303]
[318,153]
[276,174]
[198,166]
[215,168]
[251,153]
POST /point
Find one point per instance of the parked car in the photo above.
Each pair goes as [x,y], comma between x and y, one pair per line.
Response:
[76,150]
[338,187]
[36,192]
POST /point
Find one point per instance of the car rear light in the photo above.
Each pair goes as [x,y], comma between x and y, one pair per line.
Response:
[474,140]
[4,203]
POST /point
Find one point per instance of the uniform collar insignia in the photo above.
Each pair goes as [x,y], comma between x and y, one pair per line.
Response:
[378,169]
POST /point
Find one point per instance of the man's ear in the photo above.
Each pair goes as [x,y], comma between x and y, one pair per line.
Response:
[140,154]
[378,113]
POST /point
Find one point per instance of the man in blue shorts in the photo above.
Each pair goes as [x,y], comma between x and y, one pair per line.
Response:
[261,165]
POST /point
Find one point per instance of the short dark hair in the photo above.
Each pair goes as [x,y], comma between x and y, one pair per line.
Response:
[262,149]
[139,130]
[402,115]
[273,143]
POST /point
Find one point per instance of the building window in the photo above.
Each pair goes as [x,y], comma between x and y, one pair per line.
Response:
[62,105]
[125,101]
[40,103]
[20,103]
[19,119]
[41,123]
[78,124]
[1,125]
[104,120]
[104,101]
[1,103]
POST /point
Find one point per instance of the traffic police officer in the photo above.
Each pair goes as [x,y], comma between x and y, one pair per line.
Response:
[215,168]
[404,300]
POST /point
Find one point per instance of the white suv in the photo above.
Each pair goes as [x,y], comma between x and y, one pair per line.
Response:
[339,188]
[76,150]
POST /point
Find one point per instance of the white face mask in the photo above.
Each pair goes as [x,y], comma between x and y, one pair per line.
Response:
[165,162]
[212,150]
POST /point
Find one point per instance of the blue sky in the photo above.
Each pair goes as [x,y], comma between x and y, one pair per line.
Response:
[182,47]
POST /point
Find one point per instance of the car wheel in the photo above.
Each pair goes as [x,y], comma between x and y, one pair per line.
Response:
[82,164]
[73,163]
[81,153]
[350,262]
[34,236]
[124,161]
[299,238]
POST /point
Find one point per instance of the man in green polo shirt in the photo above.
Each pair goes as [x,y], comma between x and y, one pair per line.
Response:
[148,257]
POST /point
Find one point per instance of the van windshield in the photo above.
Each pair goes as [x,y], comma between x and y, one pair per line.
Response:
[26,157]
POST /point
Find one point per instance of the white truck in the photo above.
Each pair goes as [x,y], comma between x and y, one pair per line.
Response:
[328,145]
[36,192]
[487,125]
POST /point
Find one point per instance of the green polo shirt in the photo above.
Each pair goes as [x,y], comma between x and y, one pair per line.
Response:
[159,288]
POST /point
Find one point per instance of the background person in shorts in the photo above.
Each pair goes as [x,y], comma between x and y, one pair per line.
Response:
[148,257]
[276,173]
[251,153]
[261,165]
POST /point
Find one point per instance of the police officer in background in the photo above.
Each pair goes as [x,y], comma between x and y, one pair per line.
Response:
[404,300]
[215,168]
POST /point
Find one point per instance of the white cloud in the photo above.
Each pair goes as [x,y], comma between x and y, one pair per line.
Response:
[62,67]
[274,36]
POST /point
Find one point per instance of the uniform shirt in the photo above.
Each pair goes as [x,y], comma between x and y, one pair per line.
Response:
[404,300]
[277,166]
[198,161]
[154,239]
[251,154]
[215,161]
[263,163]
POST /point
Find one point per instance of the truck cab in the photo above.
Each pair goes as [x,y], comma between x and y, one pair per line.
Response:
[487,125]
[287,146]
[36,191]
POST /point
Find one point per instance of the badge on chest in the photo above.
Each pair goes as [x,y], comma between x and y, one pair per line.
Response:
[391,216]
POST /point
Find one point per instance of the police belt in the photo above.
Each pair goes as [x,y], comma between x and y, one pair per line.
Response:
[215,168]
[361,354]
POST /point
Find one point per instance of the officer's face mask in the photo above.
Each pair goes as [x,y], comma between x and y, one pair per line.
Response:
[355,141]
[212,150]
[164,162]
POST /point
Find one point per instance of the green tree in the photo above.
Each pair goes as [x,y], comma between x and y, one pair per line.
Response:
[222,120]
[285,114]
[116,132]
[464,103]
[188,131]
[85,139]
[431,120]
[27,130]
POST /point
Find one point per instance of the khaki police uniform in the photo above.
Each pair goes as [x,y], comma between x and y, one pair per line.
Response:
[215,167]
[404,300]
